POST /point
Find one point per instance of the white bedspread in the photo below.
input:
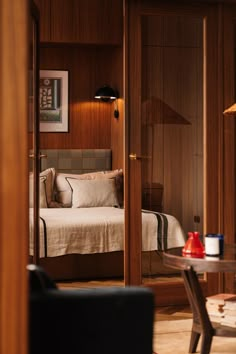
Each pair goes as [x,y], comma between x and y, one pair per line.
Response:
[98,230]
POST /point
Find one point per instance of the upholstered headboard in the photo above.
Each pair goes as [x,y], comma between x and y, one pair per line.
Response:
[77,160]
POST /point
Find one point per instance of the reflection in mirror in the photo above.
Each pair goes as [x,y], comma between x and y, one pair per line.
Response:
[172,127]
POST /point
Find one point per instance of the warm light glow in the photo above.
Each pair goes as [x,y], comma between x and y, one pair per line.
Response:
[231,111]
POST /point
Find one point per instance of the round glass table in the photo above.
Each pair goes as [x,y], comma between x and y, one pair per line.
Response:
[190,266]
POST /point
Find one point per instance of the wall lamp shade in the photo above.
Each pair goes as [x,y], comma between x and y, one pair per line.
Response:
[231,111]
[107,94]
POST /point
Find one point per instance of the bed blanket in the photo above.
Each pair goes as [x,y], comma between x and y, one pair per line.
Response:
[101,229]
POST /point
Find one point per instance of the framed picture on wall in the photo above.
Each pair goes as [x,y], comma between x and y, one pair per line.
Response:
[53,100]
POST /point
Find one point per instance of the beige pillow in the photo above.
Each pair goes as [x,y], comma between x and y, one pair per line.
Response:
[63,194]
[42,192]
[119,181]
[93,193]
[49,175]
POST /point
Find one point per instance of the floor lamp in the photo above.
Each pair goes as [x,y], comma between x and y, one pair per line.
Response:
[231,111]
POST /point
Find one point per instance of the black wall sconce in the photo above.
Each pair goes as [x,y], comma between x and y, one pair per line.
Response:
[107,94]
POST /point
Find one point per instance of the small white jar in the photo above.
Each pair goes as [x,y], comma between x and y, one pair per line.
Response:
[212,246]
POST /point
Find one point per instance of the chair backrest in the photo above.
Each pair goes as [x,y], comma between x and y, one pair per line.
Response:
[103,320]
[39,280]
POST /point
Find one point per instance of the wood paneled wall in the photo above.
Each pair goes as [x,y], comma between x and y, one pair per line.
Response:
[89,119]
[81,21]
[85,37]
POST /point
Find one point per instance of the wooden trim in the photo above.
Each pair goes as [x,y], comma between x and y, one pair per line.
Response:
[126,140]
[220,119]
[211,125]
[212,148]
[35,122]
[14,223]
[133,235]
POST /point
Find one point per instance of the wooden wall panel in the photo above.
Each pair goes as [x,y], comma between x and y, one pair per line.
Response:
[61,20]
[44,7]
[89,119]
[14,210]
[99,21]
[87,21]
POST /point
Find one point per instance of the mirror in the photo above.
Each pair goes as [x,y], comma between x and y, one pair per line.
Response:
[172,125]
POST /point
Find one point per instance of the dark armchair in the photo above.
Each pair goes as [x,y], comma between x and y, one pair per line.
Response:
[95,321]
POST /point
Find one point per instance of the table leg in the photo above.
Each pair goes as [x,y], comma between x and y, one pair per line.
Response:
[194,342]
[201,322]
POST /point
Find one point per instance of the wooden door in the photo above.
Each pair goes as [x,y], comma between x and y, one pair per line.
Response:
[14,186]
[137,12]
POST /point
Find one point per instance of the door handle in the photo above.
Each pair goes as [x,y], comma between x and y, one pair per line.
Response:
[32,156]
[134,156]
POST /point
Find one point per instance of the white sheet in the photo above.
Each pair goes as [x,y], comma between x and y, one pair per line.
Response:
[98,230]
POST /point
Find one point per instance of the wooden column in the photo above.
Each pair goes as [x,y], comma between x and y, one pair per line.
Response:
[13,176]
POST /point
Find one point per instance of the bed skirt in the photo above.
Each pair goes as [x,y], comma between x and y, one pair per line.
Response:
[100,266]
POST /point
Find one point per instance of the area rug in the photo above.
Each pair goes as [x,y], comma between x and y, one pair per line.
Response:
[174,336]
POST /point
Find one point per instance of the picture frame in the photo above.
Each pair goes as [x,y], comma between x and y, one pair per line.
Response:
[53,100]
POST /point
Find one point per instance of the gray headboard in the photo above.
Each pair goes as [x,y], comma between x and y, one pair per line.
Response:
[77,160]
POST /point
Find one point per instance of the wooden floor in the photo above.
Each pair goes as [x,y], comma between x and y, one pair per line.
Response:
[111,282]
[172,313]
[164,313]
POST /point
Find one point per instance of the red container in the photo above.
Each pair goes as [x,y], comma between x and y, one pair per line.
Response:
[193,246]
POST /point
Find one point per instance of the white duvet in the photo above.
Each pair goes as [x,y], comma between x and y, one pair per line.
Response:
[97,230]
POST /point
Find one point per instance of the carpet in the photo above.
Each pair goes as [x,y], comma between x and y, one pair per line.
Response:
[174,336]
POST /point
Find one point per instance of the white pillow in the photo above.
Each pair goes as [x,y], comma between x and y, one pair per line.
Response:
[42,192]
[63,189]
[93,193]
[63,193]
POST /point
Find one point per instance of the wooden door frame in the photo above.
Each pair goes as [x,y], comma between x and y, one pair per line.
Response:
[14,181]
[35,151]
[213,128]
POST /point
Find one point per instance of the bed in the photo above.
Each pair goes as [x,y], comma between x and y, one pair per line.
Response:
[82,219]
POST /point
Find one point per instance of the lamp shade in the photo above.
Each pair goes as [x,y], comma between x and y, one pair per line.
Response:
[106,93]
[230,111]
